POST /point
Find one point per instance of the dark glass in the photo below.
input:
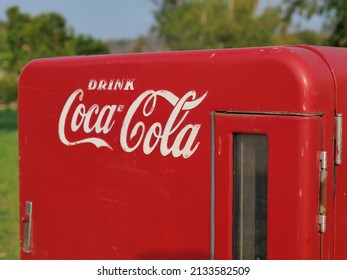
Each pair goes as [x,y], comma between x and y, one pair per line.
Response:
[250,176]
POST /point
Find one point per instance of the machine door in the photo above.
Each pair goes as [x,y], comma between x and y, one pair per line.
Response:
[266,186]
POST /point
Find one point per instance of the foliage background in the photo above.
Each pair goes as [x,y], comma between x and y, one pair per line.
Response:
[9,205]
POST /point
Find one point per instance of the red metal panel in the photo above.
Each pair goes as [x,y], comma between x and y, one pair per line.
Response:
[293,168]
[116,171]
[94,199]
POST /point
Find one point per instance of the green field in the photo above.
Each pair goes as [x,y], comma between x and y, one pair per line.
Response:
[9,204]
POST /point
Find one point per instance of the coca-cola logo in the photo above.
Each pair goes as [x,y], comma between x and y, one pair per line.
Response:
[171,136]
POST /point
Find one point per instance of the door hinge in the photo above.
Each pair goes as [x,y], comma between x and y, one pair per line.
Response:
[323,181]
[338,138]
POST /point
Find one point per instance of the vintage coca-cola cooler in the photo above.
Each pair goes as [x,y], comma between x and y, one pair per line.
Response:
[217,154]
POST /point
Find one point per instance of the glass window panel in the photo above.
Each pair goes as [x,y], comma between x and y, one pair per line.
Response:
[250,176]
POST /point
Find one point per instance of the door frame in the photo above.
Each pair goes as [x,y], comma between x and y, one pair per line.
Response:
[309,251]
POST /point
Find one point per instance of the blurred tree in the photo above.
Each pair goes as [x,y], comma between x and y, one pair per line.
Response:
[12,40]
[334,13]
[24,37]
[199,24]
[306,37]
[86,45]
[46,35]
[8,88]
[2,23]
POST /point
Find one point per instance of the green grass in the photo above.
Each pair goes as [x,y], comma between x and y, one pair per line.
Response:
[9,194]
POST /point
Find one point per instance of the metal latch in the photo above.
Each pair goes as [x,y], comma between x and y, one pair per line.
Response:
[323,191]
[338,139]
[26,219]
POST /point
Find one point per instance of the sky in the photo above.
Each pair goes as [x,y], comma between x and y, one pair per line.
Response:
[102,19]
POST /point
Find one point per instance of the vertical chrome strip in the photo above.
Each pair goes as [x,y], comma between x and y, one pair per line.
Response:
[27,227]
[338,139]
[213,134]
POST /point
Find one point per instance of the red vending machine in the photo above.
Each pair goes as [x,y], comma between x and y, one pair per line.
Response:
[216,154]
